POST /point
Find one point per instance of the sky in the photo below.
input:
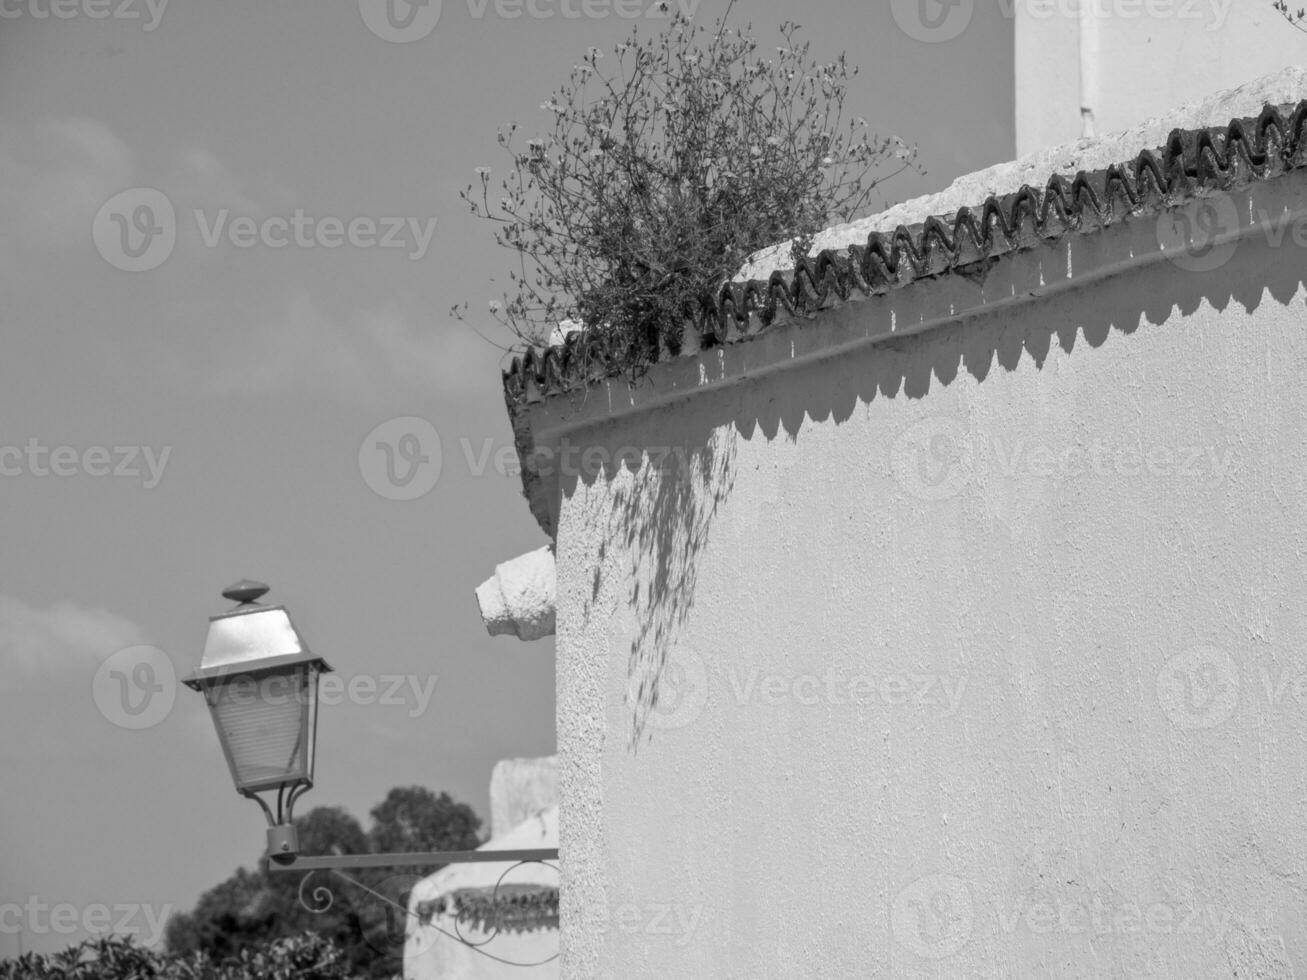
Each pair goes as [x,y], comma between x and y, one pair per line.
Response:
[188,402]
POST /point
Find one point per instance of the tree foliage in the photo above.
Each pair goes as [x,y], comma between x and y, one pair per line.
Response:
[253,908]
[659,176]
[306,957]
[413,818]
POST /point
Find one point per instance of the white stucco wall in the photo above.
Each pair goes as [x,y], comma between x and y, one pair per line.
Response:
[978,649]
[519,789]
[441,947]
[436,956]
[1144,57]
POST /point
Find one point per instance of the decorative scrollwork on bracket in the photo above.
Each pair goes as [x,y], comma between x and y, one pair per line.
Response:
[323,897]
[320,898]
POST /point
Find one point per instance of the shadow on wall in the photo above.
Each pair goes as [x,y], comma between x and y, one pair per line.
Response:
[662,513]
[659,521]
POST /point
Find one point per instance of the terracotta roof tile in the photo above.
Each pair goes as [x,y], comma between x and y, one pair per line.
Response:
[1192,162]
[1244,151]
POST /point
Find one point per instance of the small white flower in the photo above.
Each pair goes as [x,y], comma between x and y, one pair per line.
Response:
[495,306]
[483,172]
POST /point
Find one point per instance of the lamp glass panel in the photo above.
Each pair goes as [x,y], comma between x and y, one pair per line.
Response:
[265,725]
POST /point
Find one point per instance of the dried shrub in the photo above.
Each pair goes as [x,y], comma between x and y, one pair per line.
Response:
[661,175]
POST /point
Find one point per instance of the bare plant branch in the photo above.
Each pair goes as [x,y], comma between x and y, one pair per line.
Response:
[1295,18]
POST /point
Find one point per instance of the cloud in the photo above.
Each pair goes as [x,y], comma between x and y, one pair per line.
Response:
[44,641]
[298,343]
[360,355]
[55,707]
[201,180]
[53,179]
[56,174]
[451,358]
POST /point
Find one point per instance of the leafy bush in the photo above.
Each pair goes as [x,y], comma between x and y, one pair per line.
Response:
[307,957]
[660,177]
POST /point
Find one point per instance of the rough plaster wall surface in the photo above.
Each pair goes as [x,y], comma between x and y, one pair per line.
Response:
[518,599]
[1151,56]
[972,653]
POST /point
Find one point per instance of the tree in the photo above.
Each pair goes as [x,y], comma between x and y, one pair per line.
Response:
[410,819]
[328,829]
[413,818]
[660,177]
[253,908]
[227,918]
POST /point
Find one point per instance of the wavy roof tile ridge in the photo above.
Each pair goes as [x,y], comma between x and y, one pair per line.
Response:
[1257,128]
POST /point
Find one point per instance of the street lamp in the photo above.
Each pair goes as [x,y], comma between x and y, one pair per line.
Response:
[260,681]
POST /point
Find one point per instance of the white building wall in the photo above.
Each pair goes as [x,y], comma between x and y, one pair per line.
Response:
[978,653]
[1145,57]
[523,814]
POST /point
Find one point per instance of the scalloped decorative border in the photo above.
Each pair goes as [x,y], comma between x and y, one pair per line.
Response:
[1247,150]
[516,908]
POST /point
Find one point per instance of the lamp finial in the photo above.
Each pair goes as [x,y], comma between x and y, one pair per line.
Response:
[245,592]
